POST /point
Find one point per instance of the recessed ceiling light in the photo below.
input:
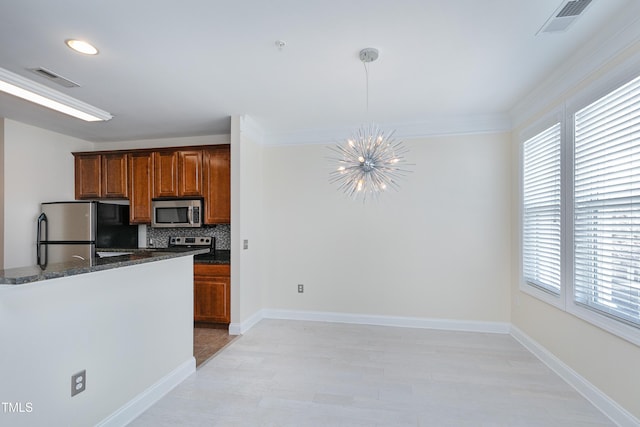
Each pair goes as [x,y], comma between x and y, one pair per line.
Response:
[81,46]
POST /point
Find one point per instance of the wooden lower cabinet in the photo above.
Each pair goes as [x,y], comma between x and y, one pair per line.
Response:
[212,293]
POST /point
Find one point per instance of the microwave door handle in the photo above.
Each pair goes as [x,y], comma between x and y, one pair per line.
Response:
[190,215]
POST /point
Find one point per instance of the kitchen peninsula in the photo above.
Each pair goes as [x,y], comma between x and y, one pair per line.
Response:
[126,320]
[22,275]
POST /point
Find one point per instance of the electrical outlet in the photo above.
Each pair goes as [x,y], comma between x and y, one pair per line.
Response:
[78,382]
[245,244]
[300,288]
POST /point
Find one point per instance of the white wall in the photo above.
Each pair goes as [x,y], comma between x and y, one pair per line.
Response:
[128,327]
[38,167]
[247,222]
[438,249]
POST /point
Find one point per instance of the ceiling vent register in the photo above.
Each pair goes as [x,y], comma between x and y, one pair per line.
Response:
[51,76]
[564,16]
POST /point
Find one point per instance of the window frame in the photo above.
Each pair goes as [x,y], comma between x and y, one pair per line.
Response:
[565,115]
[573,105]
[538,127]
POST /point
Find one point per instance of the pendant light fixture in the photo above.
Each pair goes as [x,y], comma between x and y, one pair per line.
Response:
[371,161]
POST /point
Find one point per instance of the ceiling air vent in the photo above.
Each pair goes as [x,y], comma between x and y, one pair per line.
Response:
[565,15]
[51,76]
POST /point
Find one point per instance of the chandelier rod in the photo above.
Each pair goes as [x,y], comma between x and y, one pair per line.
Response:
[367,55]
[366,73]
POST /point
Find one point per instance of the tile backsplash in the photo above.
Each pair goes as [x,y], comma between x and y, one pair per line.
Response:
[160,236]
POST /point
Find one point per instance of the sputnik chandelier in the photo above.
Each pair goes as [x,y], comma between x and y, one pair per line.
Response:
[370,161]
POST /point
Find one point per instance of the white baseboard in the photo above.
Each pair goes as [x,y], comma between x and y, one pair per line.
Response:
[370,319]
[404,322]
[144,400]
[235,328]
[604,403]
[242,327]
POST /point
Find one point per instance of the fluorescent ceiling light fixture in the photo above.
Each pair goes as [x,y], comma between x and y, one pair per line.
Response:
[16,85]
[82,47]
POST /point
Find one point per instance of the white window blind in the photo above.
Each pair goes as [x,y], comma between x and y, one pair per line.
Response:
[607,204]
[541,237]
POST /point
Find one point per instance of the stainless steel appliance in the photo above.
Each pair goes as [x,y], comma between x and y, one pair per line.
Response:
[168,213]
[73,230]
[188,242]
[198,242]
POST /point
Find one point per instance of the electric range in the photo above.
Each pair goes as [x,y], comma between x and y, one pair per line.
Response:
[194,242]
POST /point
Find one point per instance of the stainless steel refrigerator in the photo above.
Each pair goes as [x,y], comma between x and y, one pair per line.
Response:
[69,231]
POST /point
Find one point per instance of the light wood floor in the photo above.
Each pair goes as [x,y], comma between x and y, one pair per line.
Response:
[291,373]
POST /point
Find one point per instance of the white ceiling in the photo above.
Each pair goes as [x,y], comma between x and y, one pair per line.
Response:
[171,68]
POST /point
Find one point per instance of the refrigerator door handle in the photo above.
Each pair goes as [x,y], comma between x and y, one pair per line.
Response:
[42,261]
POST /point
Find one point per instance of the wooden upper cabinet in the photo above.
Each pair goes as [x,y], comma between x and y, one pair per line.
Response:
[166,174]
[114,176]
[178,173]
[141,176]
[190,173]
[217,184]
[101,176]
[88,181]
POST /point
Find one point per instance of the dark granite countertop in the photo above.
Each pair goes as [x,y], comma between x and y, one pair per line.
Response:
[217,257]
[22,275]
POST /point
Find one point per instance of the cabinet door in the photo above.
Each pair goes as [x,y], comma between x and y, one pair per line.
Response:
[212,299]
[87,176]
[140,187]
[217,184]
[190,173]
[114,176]
[166,174]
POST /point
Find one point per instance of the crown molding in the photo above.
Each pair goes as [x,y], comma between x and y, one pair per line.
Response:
[435,126]
[617,38]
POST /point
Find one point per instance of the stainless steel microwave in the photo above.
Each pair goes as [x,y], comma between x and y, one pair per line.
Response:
[176,213]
